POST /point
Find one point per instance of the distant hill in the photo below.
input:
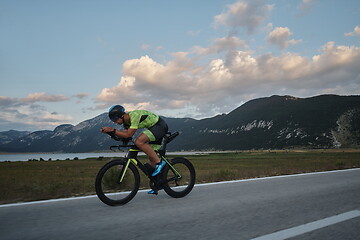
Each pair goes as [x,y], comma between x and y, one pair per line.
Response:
[276,122]
[83,137]
[11,135]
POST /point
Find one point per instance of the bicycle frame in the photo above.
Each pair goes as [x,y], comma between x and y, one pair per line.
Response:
[132,157]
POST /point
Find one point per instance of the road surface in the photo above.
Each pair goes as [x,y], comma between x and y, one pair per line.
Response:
[306,206]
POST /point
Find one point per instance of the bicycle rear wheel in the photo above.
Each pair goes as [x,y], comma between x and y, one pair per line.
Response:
[108,186]
[179,183]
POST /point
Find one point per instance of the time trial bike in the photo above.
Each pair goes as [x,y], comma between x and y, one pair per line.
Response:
[118,181]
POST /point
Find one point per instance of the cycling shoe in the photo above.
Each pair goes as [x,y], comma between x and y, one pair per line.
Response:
[159,167]
[152,191]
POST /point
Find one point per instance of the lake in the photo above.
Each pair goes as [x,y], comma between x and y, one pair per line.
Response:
[64,156]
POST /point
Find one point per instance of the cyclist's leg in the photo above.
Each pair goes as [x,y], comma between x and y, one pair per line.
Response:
[153,134]
[142,143]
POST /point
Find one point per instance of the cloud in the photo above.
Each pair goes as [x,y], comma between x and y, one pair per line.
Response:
[30,118]
[280,37]
[268,27]
[28,113]
[221,84]
[356,32]
[6,101]
[81,95]
[221,44]
[54,117]
[246,14]
[31,98]
[157,83]
[42,97]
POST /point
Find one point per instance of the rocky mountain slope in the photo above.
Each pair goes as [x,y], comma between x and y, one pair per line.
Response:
[326,121]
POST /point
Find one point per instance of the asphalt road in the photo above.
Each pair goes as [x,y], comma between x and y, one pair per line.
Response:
[232,210]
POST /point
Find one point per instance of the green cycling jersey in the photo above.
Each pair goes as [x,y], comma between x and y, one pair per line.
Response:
[142,119]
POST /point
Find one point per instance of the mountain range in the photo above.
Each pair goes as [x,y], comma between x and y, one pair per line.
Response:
[276,122]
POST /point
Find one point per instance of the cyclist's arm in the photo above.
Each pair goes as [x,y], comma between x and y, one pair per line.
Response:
[127,133]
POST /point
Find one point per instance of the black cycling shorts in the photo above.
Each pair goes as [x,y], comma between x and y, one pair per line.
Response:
[157,132]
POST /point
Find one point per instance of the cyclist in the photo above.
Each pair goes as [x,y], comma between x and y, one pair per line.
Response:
[155,129]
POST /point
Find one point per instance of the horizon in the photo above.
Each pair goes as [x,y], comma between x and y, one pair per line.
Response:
[186,117]
[63,62]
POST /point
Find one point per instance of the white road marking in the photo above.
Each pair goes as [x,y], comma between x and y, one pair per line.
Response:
[196,185]
[308,227]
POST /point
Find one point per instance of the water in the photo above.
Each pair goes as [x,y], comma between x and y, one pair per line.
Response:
[71,156]
[56,156]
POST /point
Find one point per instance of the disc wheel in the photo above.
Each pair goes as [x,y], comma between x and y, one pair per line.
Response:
[179,183]
[108,187]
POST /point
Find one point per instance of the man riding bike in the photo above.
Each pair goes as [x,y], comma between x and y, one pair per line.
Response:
[155,130]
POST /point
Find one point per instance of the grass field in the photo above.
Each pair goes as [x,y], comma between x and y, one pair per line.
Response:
[39,180]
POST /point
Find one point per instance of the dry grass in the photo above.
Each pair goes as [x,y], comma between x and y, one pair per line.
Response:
[29,181]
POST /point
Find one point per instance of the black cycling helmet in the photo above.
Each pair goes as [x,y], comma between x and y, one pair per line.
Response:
[116,112]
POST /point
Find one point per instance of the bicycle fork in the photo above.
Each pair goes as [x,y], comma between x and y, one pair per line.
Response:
[124,169]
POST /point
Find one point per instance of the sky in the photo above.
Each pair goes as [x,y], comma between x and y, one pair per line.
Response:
[63,62]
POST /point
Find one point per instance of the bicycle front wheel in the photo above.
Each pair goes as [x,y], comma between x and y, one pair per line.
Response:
[113,190]
[179,180]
